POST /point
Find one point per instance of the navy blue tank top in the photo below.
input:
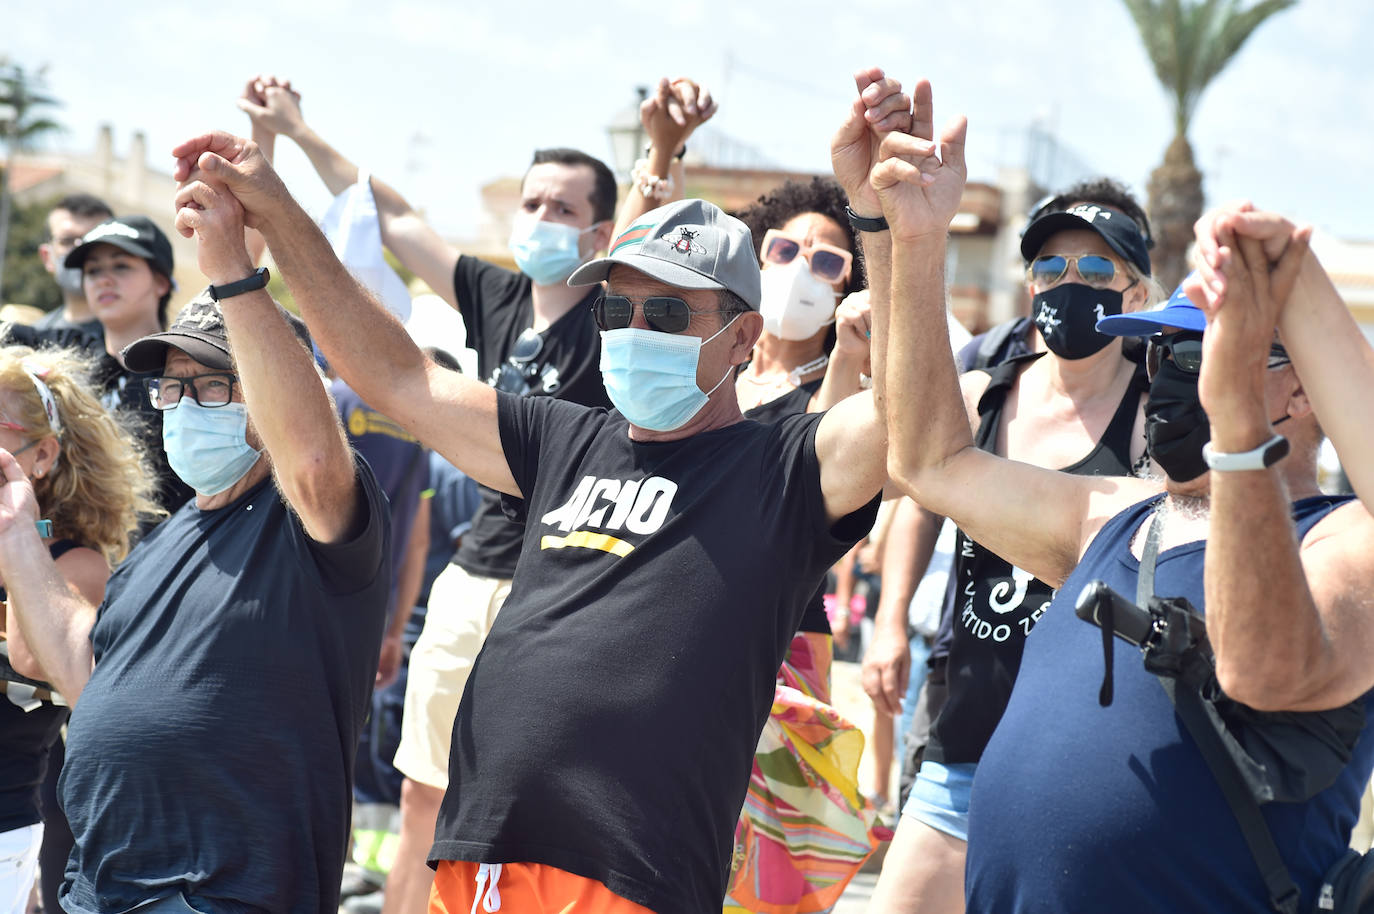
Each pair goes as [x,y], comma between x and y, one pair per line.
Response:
[1077,807]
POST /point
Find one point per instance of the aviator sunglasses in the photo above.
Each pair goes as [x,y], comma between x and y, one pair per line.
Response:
[1185,350]
[661,312]
[827,262]
[1096,271]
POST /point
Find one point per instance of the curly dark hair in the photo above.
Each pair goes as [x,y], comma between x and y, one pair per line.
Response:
[820,195]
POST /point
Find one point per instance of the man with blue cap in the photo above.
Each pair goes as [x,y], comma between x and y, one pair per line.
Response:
[1077,807]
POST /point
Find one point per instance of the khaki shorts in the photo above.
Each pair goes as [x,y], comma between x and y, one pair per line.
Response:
[462,608]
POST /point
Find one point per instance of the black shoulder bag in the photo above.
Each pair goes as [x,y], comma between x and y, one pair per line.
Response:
[1256,757]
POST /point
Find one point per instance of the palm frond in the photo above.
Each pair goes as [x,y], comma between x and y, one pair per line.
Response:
[1189,42]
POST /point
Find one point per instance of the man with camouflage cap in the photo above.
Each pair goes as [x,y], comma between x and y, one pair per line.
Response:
[219,689]
[603,744]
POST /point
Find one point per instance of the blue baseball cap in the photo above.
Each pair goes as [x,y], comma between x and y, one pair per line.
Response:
[1179,311]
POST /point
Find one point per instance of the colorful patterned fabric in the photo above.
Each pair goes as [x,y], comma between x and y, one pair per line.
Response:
[805,828]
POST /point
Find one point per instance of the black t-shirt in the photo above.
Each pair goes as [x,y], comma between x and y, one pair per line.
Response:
[997,604]
[609,723]
[497,307]
[212,749]
[793,403]
[53,320]
[28,728]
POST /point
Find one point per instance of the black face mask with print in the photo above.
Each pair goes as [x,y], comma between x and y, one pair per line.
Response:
[1067,317]
[1176,426]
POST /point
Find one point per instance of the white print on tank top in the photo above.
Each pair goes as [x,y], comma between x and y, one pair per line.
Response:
[599,508]
[1004,596]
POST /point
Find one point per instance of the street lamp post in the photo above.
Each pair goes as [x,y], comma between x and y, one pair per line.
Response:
[627,136]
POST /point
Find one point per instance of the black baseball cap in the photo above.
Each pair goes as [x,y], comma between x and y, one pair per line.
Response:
[136,235]
[199,332]
[1119,230]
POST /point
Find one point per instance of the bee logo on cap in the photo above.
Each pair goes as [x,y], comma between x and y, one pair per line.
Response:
[685,242]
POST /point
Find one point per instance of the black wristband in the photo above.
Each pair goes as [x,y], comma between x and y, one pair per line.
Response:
[256,280]
[865,223]
[649,148]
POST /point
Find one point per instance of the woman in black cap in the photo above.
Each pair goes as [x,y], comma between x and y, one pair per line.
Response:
[126,267]
[1073,403]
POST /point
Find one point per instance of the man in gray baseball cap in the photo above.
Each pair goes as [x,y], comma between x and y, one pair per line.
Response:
[606,732]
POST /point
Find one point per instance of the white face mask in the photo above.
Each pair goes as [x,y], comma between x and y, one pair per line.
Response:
[795,304]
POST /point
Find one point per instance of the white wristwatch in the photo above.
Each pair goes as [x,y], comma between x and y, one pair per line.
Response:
[1261,458]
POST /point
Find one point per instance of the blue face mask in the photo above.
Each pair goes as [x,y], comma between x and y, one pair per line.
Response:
[547,252]
[206,447]
[651,377]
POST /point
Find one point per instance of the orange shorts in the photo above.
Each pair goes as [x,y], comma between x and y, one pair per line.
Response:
[522,888]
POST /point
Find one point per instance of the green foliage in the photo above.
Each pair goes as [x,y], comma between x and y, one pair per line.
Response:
[25,280]
[1190,41]
[21,99]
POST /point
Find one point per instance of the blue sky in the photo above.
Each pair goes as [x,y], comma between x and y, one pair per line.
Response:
[439,97]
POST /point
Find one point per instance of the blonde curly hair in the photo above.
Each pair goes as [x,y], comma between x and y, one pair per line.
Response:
[102,483]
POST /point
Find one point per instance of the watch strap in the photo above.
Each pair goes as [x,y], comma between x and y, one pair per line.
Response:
[1261,458]
[256,280]
[865,223]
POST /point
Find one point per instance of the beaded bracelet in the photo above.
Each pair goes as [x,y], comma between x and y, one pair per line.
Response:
[651,186]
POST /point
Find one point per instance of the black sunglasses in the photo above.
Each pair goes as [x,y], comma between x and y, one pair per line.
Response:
[661,312]
[1185,349]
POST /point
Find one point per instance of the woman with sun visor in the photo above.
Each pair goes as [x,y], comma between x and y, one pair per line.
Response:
[1075,405]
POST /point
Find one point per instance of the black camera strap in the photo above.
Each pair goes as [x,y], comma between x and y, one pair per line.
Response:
[1207,732]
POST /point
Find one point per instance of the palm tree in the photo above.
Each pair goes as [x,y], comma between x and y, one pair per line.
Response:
[1189,42]
[21,123]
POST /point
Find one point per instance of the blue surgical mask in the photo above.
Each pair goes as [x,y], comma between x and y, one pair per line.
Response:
[206,446]
[547,252]
[651,377]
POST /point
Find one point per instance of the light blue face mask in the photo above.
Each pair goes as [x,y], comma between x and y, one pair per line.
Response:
[547,252]
[651,376]
[206,447]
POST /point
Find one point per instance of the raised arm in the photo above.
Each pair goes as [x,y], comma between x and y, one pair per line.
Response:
[286,399]
[404,232]
[1332,356]
[86,573]
[1039,520]
[670,116]
[849,357]
[55,618]
[1292,623]
[368,347]
[851,440]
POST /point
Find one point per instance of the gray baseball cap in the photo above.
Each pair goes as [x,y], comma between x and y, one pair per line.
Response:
[690,244]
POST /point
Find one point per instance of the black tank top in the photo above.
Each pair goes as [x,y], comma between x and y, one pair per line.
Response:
[997,604]
[25,738]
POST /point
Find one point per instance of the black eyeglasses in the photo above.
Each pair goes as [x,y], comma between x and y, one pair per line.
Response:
[516,374]
[1185,350]
[209,390]
[662,313]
